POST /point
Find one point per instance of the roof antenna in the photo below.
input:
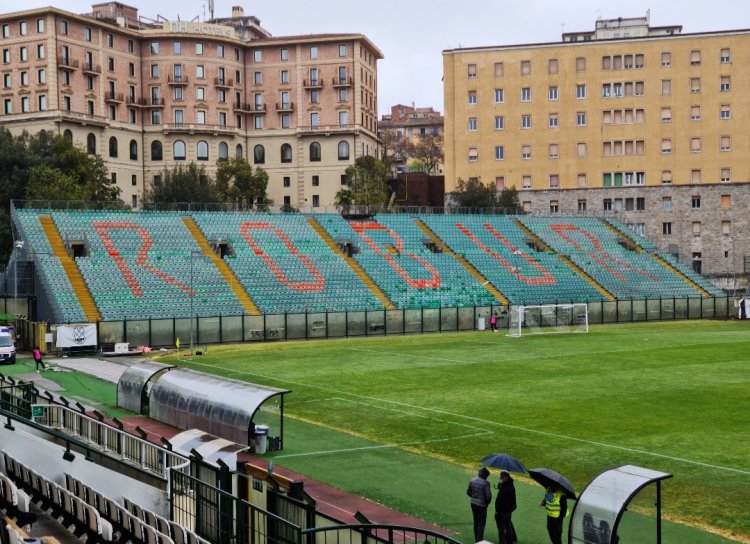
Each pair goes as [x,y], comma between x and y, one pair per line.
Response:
[211,9]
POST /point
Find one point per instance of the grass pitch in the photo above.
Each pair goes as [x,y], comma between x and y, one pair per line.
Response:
[400,419]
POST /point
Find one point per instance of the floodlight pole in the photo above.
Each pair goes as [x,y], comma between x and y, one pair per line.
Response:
[192,295]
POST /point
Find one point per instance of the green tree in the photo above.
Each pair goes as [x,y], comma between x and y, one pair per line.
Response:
[185,184]
[367,183]
[47,180]
[475,194]
[508,199]
[239,183]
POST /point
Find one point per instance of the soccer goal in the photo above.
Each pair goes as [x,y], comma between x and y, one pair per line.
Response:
[548,318]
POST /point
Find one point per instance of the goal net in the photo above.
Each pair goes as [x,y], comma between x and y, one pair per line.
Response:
[548,318]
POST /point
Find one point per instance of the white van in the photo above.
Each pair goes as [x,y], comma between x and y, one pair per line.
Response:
[7,346]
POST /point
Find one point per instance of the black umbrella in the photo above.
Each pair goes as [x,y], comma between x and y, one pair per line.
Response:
[504,461]
[547,478]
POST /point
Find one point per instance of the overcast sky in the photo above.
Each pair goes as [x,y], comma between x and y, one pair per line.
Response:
[413,33]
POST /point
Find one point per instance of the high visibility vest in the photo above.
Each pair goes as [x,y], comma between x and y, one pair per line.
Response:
[552,503]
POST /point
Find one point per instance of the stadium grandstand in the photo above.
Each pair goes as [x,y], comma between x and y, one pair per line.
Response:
[108,265]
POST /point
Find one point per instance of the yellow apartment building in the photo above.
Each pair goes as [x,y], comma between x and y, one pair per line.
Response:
[147,95]
[647,123]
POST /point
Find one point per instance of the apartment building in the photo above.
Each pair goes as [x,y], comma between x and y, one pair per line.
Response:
[148,95]
[644,122]
[410,123]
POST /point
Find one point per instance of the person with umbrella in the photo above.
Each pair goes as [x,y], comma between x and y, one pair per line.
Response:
[558,490]
[505,504]
[556,504]
[481,496]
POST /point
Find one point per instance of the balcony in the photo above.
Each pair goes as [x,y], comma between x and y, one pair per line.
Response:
[115,98]
[67,64]
[285,107]
[340,82]
[197,128]
[223,83]
[153,103]
[177,81]
[257,109]
[242,107]
[136,102]
[326,130]
[92,69]
[84,119]
[313,84]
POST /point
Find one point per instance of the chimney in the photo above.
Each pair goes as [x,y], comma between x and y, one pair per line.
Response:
[237,11]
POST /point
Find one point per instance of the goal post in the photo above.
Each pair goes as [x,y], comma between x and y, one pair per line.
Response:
[548,318]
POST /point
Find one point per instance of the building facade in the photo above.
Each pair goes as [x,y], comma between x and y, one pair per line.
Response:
[149,95]
[409,124]
[643,122]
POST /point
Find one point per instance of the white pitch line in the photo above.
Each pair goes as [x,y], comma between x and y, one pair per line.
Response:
[489,422]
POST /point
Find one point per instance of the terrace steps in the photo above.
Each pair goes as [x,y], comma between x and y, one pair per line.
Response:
[364,276]
[683,277]
[80,288]
[242,295]
[606,294]
[466,264]
[627,240]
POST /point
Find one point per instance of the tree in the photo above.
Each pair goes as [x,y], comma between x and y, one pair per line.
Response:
[46,180]
[395,148]
[508,199]
[427,153]
[474,194]
[239,183]
[185,184]
[367,183]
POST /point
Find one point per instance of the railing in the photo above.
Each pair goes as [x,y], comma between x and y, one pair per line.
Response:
[83,118]
[366,533]
[154,102]
[177,80]
[114,97]
[312,84]
[91,68]
[285,106]
[110,440]
[223,82]
[63,62]
[342,82]
[197,127]
[133,101]
[316,129]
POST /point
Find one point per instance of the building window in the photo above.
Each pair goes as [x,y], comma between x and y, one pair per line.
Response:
[666,203]
[64,28]
[156,151]
[553,120]
[695,176]
[666,114]
[87,34]
[472,97]
[473,154]
[581,149]
[179,150]
[220,51]
[554,205]
[316,181]
[695,57]
[582,180]
[133,150]
[581,205]
[607,204]
[499,96]
[258,122]
[259,154]
[552,66]
[526,121]
[726,84]
[526,152]
[553,151]
[695,202]
[726,202]
[695,84]
[499,152]
[552,93]
[315,152]
[113,147]
[314,52]
[526,94]
[695,145]
[725,143]
[287,181]
[131,46]
[666,177]
[91,144]
[258,55]
[525,67]
[499,122]
[201,149]
[286,153]
[580,91]
[726,227]
[223,150]
[666,86]
[472,124]
[725,112]
[499,183]
[666,146]
[24,54]
[726,177]
[314,119]
[526,182]
[42,102]
[695,113]
[581,119]
[40,51]
[238,151]
[666,229]
[471,71]
[6,31]
[343,150]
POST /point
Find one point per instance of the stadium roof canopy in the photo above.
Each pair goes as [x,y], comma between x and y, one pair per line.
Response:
[131,387]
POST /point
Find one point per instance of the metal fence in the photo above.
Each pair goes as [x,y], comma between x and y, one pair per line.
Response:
[311,325]
[374,534]
[114,442]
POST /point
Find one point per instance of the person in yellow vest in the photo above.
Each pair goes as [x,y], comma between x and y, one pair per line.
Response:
[556,504]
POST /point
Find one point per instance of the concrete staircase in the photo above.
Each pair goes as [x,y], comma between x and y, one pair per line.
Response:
[239,291]
[71,270]
[364,276]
